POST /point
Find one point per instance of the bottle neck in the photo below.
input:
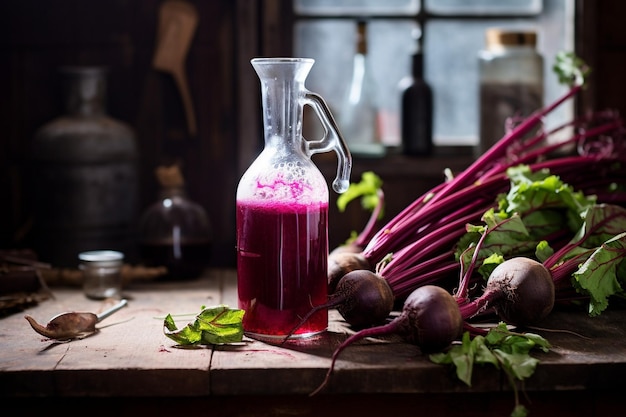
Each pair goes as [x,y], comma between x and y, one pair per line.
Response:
[418,66]
[173,191]
[358,79]
[361,45]
[85,91]
[361,80]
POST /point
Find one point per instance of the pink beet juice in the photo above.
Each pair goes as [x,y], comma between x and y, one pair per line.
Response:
[282,266]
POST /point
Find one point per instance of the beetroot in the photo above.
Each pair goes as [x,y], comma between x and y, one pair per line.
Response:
[520,290]
[430,319]
[342,262]
[362,297]
[527,288]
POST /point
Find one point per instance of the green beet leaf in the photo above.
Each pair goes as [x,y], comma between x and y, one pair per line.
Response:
[570,69]
[598,252]
[366,189]
[598,275]
[536,190]
[213,326]
[507,235]
[537,205]
[506,350]
[502,348]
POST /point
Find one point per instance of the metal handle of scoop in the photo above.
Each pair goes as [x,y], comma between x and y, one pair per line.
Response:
[111,310]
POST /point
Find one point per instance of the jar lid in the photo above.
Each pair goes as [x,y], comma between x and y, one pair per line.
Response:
[497,37]
[109,257]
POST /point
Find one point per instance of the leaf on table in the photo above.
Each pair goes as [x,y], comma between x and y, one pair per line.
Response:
[502,348]
[213,326]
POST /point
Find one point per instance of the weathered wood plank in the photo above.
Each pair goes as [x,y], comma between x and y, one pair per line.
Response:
[131,356]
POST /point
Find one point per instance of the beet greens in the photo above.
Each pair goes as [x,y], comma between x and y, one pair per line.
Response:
[555,207]
[372,198]
[579,242]
[418,246]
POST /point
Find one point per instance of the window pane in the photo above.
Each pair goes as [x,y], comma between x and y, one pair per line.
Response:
[331,42]
[451,67]
[355,7]
[484,7]
[451,48]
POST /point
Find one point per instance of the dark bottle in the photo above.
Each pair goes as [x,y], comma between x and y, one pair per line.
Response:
[175,231]
[417,113]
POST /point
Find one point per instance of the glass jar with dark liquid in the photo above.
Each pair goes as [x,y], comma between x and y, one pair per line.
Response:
[175,231]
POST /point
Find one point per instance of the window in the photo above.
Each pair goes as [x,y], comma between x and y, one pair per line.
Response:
[451,33]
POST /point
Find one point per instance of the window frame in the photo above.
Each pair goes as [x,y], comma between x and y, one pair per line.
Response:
[422,17]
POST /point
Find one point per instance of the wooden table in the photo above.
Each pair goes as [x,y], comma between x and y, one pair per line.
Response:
[131,367]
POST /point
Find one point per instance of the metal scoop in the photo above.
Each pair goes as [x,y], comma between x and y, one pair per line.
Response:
[73,325]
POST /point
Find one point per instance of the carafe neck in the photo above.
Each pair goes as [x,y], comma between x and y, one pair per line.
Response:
[282,89]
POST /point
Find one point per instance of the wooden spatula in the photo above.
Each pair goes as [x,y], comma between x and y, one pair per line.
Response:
[178,20]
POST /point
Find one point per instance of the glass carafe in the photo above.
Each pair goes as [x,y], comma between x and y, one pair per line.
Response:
[282,208]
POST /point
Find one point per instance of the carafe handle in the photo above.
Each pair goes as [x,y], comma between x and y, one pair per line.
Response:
[331,141]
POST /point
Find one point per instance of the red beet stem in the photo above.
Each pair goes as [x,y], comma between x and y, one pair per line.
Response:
[386,329]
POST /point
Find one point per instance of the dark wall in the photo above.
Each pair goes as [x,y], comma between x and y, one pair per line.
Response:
[601,41]
[38,37]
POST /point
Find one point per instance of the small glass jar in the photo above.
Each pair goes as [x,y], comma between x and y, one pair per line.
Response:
[102,273]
